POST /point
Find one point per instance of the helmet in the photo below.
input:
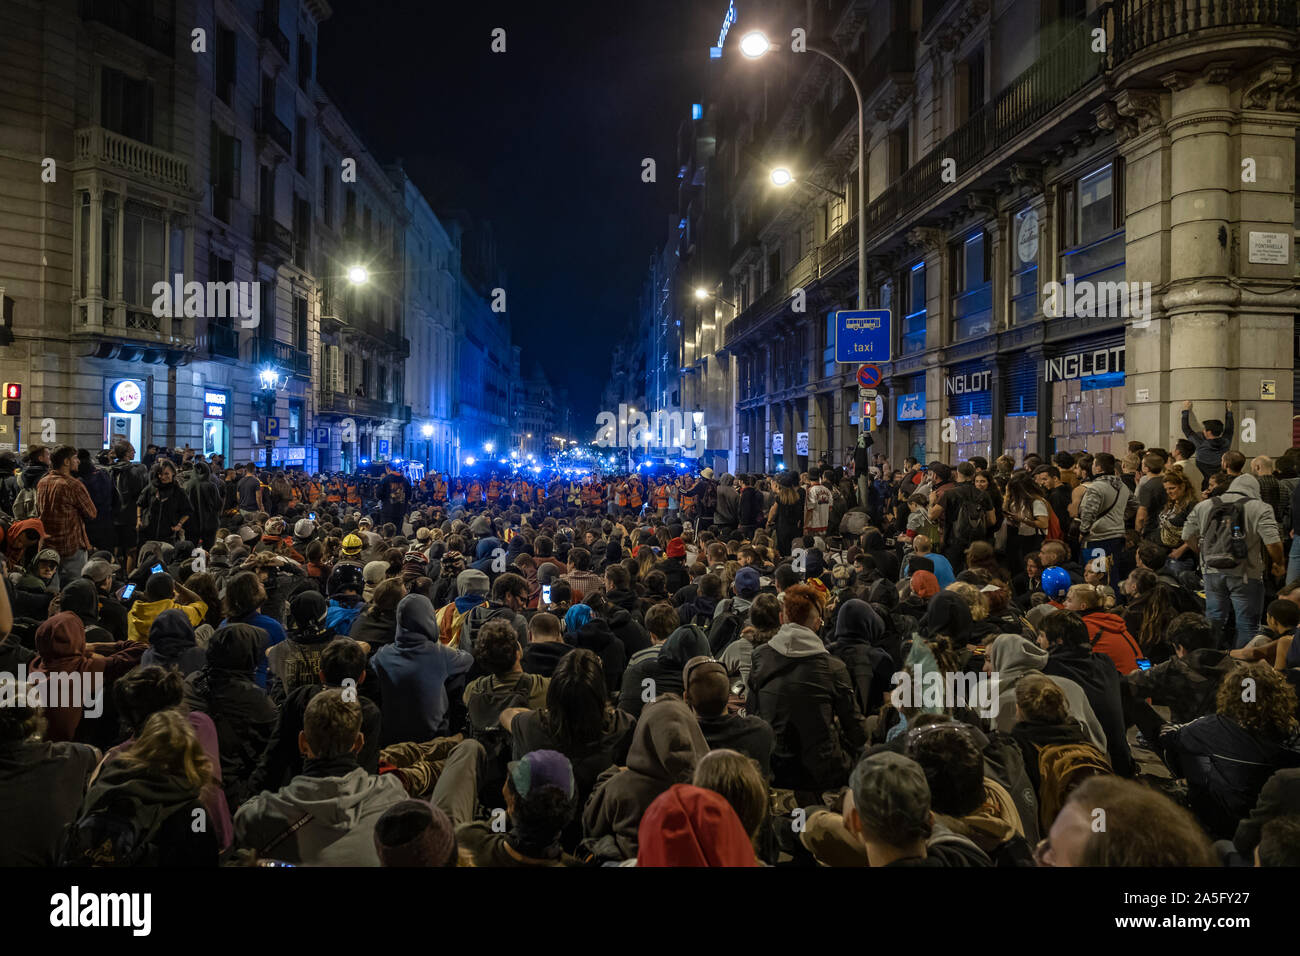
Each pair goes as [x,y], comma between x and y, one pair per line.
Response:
[1056,581]
[345,577]
[352,544]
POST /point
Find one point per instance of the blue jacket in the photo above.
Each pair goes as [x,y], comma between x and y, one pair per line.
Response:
[339,617]
[413,673]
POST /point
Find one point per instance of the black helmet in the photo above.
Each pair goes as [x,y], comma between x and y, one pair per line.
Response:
[345,577]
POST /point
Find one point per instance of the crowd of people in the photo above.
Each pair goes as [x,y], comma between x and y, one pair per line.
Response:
[929,665]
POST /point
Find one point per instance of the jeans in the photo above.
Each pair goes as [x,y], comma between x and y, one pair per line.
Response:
[1293,560]
[863,490]
[72,565]
[1247,597]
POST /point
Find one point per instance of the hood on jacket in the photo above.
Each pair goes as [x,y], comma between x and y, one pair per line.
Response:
[236,648]
[727,479]
[335,802]
[858,622]
[171,634]
[416,621]
[1246,485]
[795,640]
[691,826]
[1013,655]
[485,547]
[667,743]
[472,581]
[82,598]
[576,618]
[61,641]
[949,614]
[681,645]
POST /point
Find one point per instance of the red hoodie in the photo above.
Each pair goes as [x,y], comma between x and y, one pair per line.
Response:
[61,649]
[690,826]
[1110,636]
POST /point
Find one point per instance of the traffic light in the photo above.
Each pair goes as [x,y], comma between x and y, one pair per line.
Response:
[13,393]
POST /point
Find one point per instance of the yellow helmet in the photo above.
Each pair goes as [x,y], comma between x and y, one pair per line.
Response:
[352,544]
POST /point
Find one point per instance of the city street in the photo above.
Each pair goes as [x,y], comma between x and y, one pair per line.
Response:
[781,434]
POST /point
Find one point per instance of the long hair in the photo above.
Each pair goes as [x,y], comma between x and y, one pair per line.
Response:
[1158,612]
[167,743]
[576,701]
[1186,494]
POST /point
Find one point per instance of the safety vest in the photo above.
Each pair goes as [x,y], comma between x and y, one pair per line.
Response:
[439,490]
[475,491]
[494,490]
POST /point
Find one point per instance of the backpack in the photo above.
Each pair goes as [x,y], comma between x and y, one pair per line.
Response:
[725,629]
[1223,538]
[1061,768]
[968,523]
[129,483]
[25,501]
[120,831]
[476,621]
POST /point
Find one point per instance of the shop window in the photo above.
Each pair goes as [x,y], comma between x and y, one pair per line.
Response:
[295,423]
[972,303]
[1024,266]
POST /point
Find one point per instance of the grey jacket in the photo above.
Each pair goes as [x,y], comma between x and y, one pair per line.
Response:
[1101,512]
[1261,526]
[728,510]
[1014,657]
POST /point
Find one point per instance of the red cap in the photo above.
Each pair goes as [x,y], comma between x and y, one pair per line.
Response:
[691,826]
[676,548]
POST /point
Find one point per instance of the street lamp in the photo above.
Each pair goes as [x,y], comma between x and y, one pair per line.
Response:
[269,379]
[753,45]
[782,176]
[427,431]
[358,275]
[488,447]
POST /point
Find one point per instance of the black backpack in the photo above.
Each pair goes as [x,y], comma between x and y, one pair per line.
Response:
[120,831]
[968,523]
[1223,539]
[726,629]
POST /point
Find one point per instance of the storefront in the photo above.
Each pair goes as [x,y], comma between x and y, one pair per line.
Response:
[126,402]
[909,412]
[216,422]
[1087,388]
[968,393]
[1020,436]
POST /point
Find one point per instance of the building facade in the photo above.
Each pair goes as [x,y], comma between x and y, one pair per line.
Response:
[1079,215]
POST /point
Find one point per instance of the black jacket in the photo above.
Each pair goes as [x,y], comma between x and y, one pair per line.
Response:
[41,786]
[281,761]
[541,657]
[1096,674]
[628,630]
[749,735]
[674,570]
[596,635]
[664,668]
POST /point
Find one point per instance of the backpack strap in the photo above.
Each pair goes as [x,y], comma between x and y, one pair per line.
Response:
[284,834]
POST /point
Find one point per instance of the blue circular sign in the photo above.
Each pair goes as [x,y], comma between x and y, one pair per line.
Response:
[869,376]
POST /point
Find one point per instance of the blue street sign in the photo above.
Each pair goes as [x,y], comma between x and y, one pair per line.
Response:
[272,427]
[322,433]
[383,446]
[863,336]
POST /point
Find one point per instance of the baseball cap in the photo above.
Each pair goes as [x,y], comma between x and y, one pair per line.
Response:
[49,554]
[351,544]
[747,582]
[542,768]
[98,571]
[365,523]
[275,526]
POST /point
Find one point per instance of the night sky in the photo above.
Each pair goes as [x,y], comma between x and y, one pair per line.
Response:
[546,140]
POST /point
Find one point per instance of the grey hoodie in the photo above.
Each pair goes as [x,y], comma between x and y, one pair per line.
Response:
[1101,512]
[1014,657]
[1261,524]
[341,831]
[795,640]
[728,510]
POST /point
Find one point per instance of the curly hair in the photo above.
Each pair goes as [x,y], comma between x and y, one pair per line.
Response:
[1041,701]
[979,605]
[1259,699]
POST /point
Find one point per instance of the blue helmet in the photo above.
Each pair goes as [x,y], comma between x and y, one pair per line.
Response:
[1056,581]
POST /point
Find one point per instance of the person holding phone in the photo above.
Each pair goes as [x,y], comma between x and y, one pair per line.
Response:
[162,593]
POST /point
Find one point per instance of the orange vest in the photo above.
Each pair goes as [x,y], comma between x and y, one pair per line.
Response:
[494,490]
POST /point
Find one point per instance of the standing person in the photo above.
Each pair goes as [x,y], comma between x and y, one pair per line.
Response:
[1151,497]
[817,505]
[1101,515]
[395,496]
[64,506]
[727,516]
[249,493]
[966,513]
[1211,438]
[1028,519]
[164,506]
[862,469]
[1216,529]
[205,501]
[751,506]
[1180,498]
[1048,478]
[99,485]
[787,513]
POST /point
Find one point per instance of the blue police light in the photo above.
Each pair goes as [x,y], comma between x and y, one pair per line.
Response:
[536,470]
[397,461]
[681,464]
[365,461]
[780,467]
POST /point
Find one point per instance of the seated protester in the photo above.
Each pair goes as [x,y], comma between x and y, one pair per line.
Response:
[324,816]
[658,670]
[545,646]
[738,780]
[585,629]
[245,596]
[1228,756]
[666,746]
[62,652]
[1148,613]
[454,620]
[622,624]
[344,588]
[1279,798]
[619,593]
[1144,828]
[112,614]
[1187,683]
[578,720]
[374,573]
[887,808]
[172,644]
[140,810]
[1042,719]
[37,587]
[41,785]
[416,833]
[150,689]
[687,825]
[376,625]
[1015,659]
[281,577]
[1276,639]
[707,691]
[859,634]
[506,684]
[765,621]
[162,593]
[700,609]
[1069,654]
[342,665]
[925,559]
[541,798]
[731,616]
[1107,632]
[1279,843]
[81,597]
[807,696]
[1027,581]
[295,661]
[922,585]
[225,690]
[964,800]
[413,673]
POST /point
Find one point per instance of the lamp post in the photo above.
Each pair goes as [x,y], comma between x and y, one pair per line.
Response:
[753,45]
[270,380]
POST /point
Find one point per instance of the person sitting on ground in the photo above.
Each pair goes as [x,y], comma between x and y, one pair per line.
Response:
[546,645]
[707,692]
[688,825]
[414,833]
[162,593]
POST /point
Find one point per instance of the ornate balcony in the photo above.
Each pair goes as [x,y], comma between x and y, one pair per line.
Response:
[97,146]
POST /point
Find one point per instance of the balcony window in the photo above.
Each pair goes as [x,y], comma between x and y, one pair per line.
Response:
[126,105]
[300,323]
[108,248]
[227,170]
[1024,266]
[295,422]
[225,58]
[913,331]
[972,304]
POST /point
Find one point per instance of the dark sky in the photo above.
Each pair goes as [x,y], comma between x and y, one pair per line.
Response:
[545,140]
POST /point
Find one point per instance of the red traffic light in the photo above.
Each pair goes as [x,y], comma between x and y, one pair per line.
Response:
[13,390]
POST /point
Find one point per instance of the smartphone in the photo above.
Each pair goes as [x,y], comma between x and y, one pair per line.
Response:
[311,515]
[157,568]
[127,592]
[546,593]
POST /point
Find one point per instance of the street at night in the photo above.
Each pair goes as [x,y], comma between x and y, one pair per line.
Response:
[780,434]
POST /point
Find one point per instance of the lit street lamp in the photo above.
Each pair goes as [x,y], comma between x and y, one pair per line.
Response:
[270,381]
[358,275]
